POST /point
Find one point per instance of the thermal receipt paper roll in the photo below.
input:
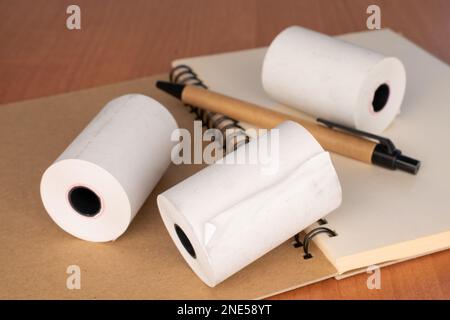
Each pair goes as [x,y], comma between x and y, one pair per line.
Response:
[228,215]
[331,79]
[97,185]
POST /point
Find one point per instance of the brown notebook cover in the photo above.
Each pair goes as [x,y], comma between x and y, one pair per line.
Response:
[143,263]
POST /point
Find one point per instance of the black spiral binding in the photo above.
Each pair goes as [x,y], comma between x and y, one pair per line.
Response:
[310,235]
[233,134]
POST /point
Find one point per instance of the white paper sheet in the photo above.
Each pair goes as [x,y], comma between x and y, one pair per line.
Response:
[409,227]
[97,185]
[232,214]
[332,79]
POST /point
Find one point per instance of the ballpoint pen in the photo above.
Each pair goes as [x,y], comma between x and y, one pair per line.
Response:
[349,142]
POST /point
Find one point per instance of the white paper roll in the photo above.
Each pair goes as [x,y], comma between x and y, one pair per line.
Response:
[333,79]
[97,185]
[228,215]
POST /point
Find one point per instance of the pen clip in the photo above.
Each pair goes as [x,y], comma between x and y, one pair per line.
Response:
[387,143]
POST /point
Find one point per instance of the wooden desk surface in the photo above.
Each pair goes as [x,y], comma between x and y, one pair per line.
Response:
[122,40]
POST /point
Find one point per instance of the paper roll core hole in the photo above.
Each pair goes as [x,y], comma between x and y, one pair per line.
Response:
[84,201]
[185,241]
[380,97]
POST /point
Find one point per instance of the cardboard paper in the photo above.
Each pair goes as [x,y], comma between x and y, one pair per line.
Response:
[144,263]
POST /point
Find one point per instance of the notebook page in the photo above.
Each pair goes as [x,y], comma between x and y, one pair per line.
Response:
[385,215]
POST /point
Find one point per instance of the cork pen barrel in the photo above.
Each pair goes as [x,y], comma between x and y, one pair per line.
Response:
[337,142]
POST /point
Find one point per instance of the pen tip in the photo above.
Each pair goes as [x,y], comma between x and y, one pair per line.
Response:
[173,89]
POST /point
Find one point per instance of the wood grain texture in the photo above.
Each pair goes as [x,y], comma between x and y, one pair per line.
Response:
[124,39]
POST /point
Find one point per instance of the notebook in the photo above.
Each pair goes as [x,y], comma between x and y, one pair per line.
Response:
[144,263]
[385,215]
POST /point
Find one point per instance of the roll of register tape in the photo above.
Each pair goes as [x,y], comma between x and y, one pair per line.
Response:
[333,79]
[231,213]
[97,185]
